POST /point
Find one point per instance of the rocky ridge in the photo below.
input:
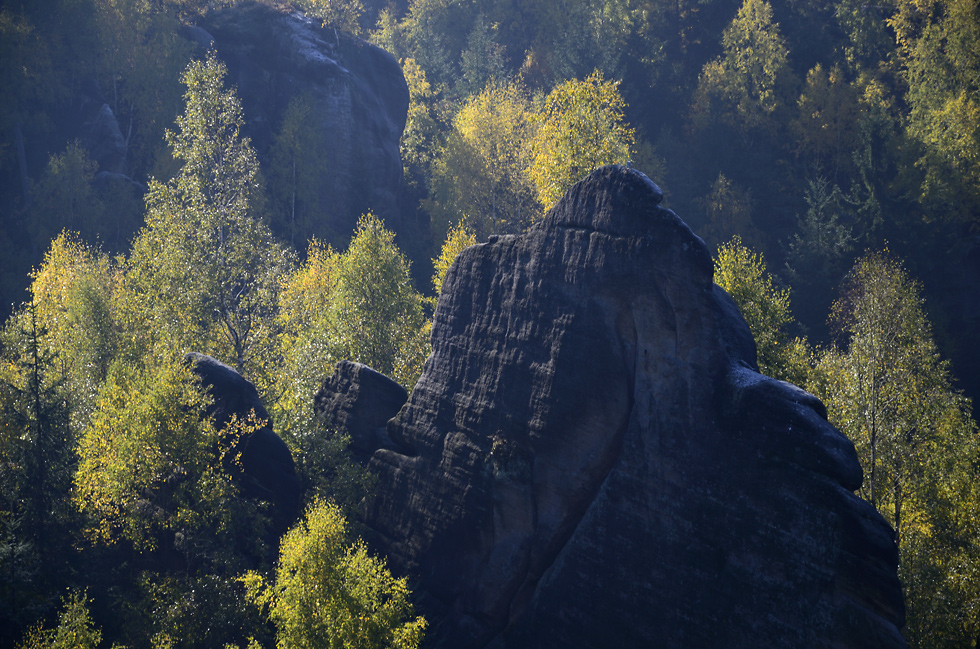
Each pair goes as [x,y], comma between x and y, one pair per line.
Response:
[591,458]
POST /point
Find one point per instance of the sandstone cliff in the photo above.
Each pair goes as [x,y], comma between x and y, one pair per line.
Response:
[590,458]
[359,94]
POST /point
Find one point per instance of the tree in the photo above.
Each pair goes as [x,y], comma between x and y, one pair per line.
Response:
[480,175]
[344,15]
[329,592]
[150,457]
[827,124]
[72,293]
[744,86]
[75,628]
[142,54]
[65,197]
[937,39]
[321,453]
[581,128]
[38,528]
[818,254]
[420,135]
[297,166]
[482,61]
[376,316]
[887,389]
[729,209]
[37,445]
[204,272]
[456,241]
[743,274]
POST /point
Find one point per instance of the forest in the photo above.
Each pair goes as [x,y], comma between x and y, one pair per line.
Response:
[828,152]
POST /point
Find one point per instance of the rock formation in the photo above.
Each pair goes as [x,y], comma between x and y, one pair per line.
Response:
[359,94]
[267,469]
[360,400]
[591,458]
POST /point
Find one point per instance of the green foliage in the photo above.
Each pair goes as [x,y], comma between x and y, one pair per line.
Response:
[482,62]
[728,208]
[344,15]
[72,293]
[456,241]
[818,253]
[304,303]
[322,458]
[329,592]
[480,175]
[36,444]
[359,305]
[65,197]
[937,39]
[141,54]
[149,459]
[204,272]
[421,134]
[878,142]
[743,274]
[75,628]
[582,127]
[888,390]
[298,163]
[206,611]
[744,87]
[828,120]
[376,316]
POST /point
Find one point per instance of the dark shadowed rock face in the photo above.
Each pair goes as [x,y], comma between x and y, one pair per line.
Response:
[590,458]
[359,94]
[267,469]
[360,400]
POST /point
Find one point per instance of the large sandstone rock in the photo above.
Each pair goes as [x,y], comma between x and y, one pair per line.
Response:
[590,458]
[267,469]
[360,401]
[359,94]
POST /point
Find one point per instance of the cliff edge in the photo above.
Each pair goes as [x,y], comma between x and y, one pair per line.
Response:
[591,459]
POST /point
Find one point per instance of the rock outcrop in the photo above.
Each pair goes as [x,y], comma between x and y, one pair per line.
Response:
[267,469]
[360,401]
[591,458]
[359,95]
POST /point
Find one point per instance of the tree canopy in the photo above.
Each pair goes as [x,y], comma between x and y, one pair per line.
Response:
[581,128]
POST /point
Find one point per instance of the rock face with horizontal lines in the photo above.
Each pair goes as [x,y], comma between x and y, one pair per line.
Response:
[357,93]
[591,459]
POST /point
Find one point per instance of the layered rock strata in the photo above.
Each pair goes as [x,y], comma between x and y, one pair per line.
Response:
[591,458]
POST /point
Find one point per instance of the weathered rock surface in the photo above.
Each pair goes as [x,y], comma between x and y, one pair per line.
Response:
[359,94]
[361,400]
[590,458]
[267,469]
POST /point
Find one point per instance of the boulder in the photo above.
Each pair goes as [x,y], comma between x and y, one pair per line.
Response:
[361,401]
[267,469]
[359,94]
[591,458]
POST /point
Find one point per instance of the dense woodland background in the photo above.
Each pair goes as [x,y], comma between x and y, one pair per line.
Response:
[828,151]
